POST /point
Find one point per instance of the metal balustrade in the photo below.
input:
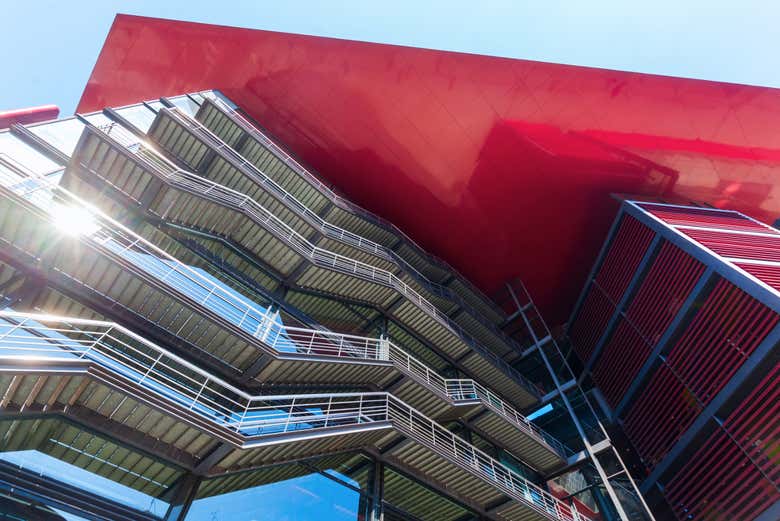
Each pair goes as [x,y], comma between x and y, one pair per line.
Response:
[251,129]
[329,230]
[287,159]
[265,325]
[318,256]
[38,339]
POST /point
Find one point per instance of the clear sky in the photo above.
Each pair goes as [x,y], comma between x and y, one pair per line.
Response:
[49,47]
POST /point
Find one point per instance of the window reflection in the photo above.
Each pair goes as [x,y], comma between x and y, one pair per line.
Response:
[288,492]
[20,153]
[185,104]
[63,134]
[63,452]
[140,116]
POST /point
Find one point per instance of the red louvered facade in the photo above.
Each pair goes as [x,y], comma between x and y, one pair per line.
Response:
[688,360]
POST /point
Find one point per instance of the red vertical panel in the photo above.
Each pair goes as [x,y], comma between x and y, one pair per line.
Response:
[591,322]
[755,425]
[621,260]
[667,284]
[628,246]
[727,329]
[720,483]
[661,414]
[621,359]
[736,473]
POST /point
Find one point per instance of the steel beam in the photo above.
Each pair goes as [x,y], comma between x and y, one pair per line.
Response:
[183,494]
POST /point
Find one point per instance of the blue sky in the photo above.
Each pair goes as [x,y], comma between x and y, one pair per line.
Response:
[50,46]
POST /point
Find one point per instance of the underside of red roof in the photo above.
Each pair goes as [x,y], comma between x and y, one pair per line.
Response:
[502,167]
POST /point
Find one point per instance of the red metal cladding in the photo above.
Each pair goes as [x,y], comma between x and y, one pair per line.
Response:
[438,141]
[626,250]
[590,323]
[668,282]
[692,216]
[770,275]
[663,291]
[29,115]
[727,329]
[662,413]
[755,425]
[745,481]
[629,244]
[755,247]
[720,483]
[619,362]
[749,246]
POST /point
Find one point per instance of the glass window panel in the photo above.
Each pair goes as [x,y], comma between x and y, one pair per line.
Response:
[63,134]
[66,453]
[25,155]
[155,105]
[185,104]
[140,116]
[309,496]
[217,94]
[198,97]
[99,119]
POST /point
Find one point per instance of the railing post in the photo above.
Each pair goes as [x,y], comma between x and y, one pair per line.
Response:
[311,343]
[149,370]
[10,331]
[384,347]
[96,341]
[289,414]
[243,415]
[194,400]
[574,514]
[327,411]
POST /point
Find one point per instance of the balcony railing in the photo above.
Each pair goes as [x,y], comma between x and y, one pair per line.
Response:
[320,257]
[328,229]
[35,339]
[258,134]
[262,324]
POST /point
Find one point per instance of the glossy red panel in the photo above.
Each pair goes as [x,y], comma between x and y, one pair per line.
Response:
[502,167]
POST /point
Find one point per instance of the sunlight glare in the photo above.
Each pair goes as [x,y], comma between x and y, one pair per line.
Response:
[74,220]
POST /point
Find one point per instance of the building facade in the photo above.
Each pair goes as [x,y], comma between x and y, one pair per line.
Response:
[678,329]
[196,327]
[199,323]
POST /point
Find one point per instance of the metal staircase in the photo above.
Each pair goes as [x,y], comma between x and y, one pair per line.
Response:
[82,368]
[249,338]
[237,131]
[180,135]
[170,194]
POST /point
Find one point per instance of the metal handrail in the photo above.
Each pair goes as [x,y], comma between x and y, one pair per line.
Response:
[285,339]
[27,337]
[258,134]
[279,338]
[228,197]
[328,229]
